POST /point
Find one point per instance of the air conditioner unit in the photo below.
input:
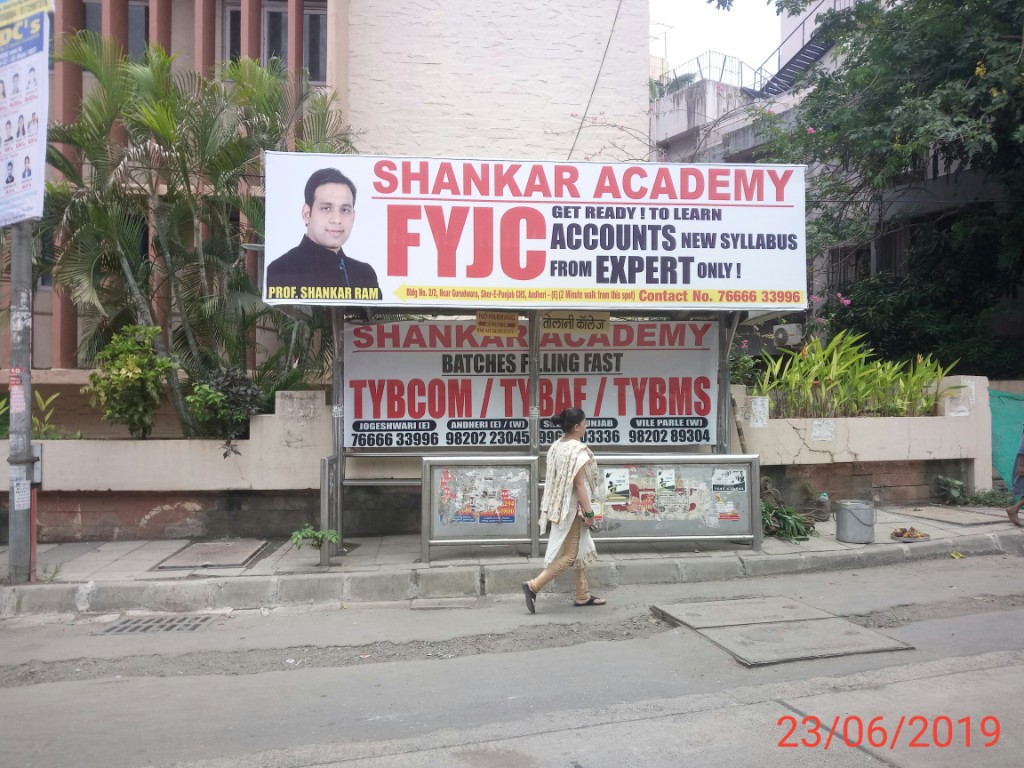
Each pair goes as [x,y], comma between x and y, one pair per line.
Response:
[788,335]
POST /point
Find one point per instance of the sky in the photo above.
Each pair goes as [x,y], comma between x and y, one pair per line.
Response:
[688,28]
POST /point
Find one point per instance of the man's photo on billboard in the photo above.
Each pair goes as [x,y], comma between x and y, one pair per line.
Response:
[318,267]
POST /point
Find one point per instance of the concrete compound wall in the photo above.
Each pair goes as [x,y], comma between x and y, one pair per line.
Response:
[118,489]
[888,460]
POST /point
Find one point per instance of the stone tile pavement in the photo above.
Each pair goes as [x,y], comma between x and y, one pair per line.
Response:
[125,575]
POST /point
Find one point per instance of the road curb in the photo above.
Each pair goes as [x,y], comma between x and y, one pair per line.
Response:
[461,581]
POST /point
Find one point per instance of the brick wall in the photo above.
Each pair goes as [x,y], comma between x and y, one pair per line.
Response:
[890,482]
[66,517]
[392,510]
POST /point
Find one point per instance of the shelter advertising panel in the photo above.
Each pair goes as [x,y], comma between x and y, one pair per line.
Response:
[398,231]
[678,496]
[479,501]
[439,383]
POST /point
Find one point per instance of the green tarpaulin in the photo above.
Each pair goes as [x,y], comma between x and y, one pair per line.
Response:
[1007,423]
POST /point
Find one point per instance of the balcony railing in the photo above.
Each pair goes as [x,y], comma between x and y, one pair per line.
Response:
[774,75]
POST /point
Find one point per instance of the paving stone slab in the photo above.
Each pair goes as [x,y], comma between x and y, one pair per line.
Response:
[957,515]
[777,642]
[726,613]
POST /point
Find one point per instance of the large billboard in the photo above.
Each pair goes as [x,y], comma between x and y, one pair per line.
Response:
[441,383]
[432,232]
[24,105]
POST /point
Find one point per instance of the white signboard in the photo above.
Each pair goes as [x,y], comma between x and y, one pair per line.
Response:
[24,104]
[424,384]
[380,231]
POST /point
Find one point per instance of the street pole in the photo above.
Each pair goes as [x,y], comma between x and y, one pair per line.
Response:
[20,393]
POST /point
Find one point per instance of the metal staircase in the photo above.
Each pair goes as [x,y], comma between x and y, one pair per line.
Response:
[772,80]
[784,79]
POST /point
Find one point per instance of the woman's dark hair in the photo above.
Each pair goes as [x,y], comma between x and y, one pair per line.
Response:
[568,418]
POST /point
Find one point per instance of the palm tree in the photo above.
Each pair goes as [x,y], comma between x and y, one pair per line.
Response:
[158,195]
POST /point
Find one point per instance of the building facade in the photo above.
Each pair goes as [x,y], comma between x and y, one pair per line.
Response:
[530,80]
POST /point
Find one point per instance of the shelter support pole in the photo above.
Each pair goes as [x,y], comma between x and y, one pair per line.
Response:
[534,342]
[726,332]
[338,420]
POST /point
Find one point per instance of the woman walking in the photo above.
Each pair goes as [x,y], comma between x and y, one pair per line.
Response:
[569,488]
[1017,486]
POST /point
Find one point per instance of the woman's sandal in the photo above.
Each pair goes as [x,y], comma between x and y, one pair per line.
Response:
[592,601]
[531,597]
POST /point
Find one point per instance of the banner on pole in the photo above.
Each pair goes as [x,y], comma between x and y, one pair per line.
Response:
[431,232]
[24,106]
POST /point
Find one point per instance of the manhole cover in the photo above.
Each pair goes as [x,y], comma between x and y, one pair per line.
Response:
[138,625]
[233,553]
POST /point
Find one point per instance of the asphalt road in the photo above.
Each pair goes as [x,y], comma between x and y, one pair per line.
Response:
[483,683]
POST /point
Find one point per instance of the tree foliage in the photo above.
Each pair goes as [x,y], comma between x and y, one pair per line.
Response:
[160,184]
[918,123]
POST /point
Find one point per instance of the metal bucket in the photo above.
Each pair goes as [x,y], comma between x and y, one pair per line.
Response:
[855,521]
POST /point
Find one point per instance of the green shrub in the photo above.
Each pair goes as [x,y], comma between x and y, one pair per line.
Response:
[43,427]
[844,378]
[307,535]
[128,384]
[222,402]
[993,497]
[951,491]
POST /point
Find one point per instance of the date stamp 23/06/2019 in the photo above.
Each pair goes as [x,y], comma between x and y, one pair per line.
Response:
[913,731]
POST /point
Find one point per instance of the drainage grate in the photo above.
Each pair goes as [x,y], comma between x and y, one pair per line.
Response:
[138,625]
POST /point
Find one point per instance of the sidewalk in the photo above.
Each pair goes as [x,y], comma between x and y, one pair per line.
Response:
[89,577]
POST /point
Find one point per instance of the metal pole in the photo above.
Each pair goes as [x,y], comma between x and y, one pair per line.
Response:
[20,563]
[338,414]
[726,328]
[534,340]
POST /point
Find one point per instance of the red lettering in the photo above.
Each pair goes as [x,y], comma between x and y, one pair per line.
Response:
[780,183]
[376,395]
[362,337]
[385,172]
[421,177]
[559,394]
[357,386]
[396,399]
[511,243]
[476,180]
[688,176]
[634,193]
[483,243]
[718,183]
[537,182]
[566,177]
[663,186]
[658,401]
[447,235]
[506,177]
[445,180]
[699,331]
[413,338]
[646,335]
[513,387]
[400,239]
[749,187]
[607,184]
[701,385]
